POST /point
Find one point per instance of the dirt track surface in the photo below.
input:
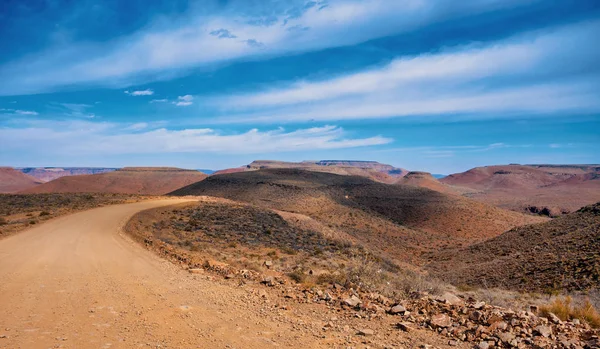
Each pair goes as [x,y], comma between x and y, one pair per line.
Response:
[77,282]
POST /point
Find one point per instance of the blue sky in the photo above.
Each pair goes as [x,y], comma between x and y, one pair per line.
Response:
[421,84]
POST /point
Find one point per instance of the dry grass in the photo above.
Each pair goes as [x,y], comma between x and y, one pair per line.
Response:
[565,309]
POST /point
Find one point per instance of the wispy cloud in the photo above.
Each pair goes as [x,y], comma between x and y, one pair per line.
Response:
[163,100]
[147,92]
[199,40]
[109,138]
[545,71]
[26,112]
[184,101]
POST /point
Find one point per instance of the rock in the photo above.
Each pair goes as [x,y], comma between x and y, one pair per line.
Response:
[353,301]
[196,271]
[452,343]
[404,326]
[576,322]
[268,281]
[229,276]
[478,305]
[451,299]
[483,345]
[268,264]
[476,315]
[542,330]
[4,336]
[553,318]
[366,332]
[397,309]
[500,325]
[506,337]
[441,321]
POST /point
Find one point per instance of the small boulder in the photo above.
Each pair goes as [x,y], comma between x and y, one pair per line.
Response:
[451,299]
[397,309]
[404,326]
[268,264]
[366,332]
[542,330]
[353,301]
[441,321]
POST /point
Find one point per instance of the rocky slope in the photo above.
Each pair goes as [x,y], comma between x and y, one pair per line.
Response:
[47,174]
[426,180]
[12,181]
[401,220]
[369,169]
[128,180]
[561,254]
[545,189]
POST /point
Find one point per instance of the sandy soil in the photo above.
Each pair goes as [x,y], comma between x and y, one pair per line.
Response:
[77,282]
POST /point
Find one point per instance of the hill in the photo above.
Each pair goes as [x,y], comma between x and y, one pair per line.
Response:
[426,180]
[546,189]
[128,180]
[46,174]
[402,220]
[12,181]
[561,254]
[369,169]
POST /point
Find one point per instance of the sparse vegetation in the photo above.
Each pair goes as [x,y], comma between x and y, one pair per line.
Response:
[565,309]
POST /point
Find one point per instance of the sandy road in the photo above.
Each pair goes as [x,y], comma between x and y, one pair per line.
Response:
[76,282]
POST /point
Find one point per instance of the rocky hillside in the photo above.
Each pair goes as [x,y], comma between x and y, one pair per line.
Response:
[542,189]
[12,181]
[401,220]
[561,254]
[426,180]
[129,180]
[47,174]
[368,169]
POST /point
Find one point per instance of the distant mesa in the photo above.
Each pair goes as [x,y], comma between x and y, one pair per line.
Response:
[370,169]
[541,189]
[128,180]
[13,181]
[426,180]
[559,254]
[46,174]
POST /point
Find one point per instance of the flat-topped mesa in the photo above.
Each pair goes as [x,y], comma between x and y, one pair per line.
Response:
[154,169]
[420,174]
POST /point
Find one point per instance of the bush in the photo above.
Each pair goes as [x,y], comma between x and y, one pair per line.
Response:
[44,213]
[32,222]
[3,221]
[297,276]
[565,310]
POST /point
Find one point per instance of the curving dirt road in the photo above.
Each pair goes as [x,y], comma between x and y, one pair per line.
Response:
[76,282]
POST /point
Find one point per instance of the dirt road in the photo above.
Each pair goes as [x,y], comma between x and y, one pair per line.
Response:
[77,282]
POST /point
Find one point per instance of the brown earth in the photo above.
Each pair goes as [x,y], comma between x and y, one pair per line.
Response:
[128,180]
[77,282]
[46,174]
[549,190]
[369,169]
[563,254]
[426,180]
[12,181]
[22,211]
[399,221]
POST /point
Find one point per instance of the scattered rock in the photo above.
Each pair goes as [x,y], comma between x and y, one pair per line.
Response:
[353,301]
[441,320]
[229,276]
[397,309]
[366,332]
[483,345]
[542,330]
[478,305]
[269,281]
[196,271]
[268,264]
[404,326]
[449,298]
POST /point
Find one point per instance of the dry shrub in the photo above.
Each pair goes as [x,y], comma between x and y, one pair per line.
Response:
[565,310]
[3,221]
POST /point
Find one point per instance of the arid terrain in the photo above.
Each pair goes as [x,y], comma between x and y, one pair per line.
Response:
[47,174]
[272,256]
[549,190]
[12,181]
[128,180]
[368,169]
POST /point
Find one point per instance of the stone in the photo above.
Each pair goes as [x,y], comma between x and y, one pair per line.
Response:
[353,301]
[366,332]
[553,318]
[500,325]
[506,337]
[229,276]
[196,271]
[483,345]
[268,281]
[4,336]
[397,309]
[478,305]
[542,330]
[268,264]
[576,322]
[441,321]
[404,326]
[476,315]
[451,299]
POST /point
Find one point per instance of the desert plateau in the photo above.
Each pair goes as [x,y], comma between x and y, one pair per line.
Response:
[327,174]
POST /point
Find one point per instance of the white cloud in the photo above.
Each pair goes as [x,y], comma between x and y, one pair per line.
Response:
[184,101]
[203,40]
[109,138]
[164,100]
[147,92]
[536,72]
[26,112]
